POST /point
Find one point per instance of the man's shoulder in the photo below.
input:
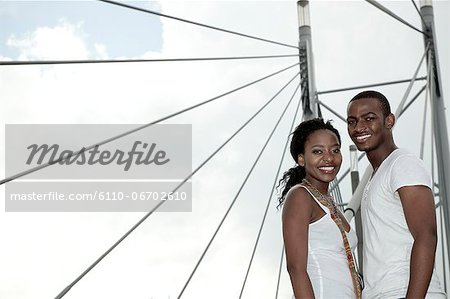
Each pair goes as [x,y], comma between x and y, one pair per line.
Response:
[406,169]
[401,152]
[402,157]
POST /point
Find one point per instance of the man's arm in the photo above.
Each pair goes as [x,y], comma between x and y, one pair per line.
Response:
[420,214]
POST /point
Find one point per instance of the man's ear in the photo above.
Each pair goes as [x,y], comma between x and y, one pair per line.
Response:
[390,121]
[301,160]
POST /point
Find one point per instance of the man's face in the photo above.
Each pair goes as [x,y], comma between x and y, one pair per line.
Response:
[366,124]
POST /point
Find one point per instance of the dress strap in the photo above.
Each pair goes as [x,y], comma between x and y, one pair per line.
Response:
[321,205]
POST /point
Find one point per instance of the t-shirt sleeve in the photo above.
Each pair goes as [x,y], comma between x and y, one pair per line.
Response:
[409,171]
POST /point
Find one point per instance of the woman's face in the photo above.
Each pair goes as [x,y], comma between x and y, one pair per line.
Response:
[322,158]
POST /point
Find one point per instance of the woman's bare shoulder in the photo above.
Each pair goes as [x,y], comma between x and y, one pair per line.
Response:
[298,198]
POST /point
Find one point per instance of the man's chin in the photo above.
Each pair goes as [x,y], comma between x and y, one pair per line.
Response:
[362,147]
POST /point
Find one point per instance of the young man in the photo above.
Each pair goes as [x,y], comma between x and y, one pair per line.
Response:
[397,208]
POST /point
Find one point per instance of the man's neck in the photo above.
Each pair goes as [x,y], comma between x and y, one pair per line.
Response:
[376,157]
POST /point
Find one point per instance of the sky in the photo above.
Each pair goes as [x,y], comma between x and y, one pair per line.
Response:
[353,44]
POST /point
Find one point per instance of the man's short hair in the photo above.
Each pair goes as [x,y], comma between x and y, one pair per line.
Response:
[372,94]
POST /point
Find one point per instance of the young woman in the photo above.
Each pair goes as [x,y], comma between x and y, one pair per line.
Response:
[318,240]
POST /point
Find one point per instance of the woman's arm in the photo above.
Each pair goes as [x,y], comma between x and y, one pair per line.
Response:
[297,213]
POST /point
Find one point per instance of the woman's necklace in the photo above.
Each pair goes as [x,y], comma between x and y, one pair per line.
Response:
[327,201]
[327,197]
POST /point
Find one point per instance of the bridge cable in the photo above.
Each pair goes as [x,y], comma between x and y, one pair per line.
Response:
[413,99]
[196,23]
[240,189]
[63,292]
[66,157]
[279,272]
[331,110]
[384,9]
[273,189]
[420,14]
[425,108]
[86,61]
[369,85]
[410,85]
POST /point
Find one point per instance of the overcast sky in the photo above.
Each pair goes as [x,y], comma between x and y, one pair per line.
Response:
[353,44]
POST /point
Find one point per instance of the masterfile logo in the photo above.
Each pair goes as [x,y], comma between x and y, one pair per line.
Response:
[94,155]
[79,171]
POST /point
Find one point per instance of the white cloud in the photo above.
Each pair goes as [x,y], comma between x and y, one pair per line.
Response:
[64,41]
[101,51]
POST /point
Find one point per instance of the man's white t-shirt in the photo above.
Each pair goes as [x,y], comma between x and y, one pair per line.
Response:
[387,239]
